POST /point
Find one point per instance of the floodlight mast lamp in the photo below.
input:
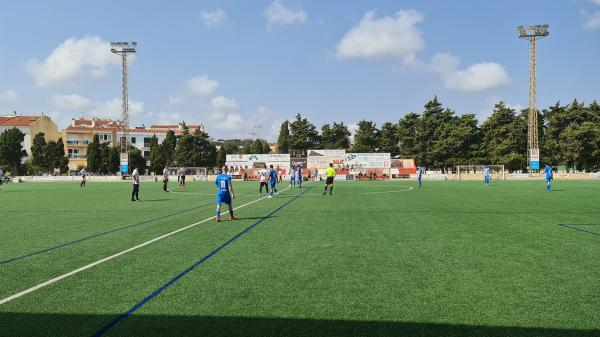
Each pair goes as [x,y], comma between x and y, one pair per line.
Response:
[123,49]
[532,33]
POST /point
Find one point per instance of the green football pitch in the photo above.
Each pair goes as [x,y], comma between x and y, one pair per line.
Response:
[374,259]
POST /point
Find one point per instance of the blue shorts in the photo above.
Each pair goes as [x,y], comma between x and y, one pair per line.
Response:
[223,198]
[273,183]
[548,179]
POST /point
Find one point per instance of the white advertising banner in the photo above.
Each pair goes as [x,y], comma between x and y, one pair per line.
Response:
[368,160]
[248,160]
[237,157]
[279,157]
[321,162]
[326,153]
[263,158]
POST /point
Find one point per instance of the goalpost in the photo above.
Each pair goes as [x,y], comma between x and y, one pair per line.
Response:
[197,173]
[497,172]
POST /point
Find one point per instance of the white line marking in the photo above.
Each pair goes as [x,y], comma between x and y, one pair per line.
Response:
[108,258]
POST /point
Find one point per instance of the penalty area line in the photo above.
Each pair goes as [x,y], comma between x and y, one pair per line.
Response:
[108,258]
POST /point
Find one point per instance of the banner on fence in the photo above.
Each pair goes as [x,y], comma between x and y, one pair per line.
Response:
[248,160]
[368,160]
[299,161]
[340,159]
[326,153]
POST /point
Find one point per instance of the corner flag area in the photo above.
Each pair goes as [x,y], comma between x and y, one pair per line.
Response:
[376,258]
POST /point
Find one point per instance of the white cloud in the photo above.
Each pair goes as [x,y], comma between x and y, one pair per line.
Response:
[163,117]
[223,104]
[228,122]
[8,95]
[73,59]
[477,77]
[202,85]
[398,37]
[592,21]
[223,116]
[213,18]
[71,102]
[113,108]
[278,14]
[394,36]
[175,99]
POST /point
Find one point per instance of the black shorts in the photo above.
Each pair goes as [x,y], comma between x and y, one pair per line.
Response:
[182,178]
[263,183]
[329,181]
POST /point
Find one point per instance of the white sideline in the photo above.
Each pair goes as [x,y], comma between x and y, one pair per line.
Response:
[93,264]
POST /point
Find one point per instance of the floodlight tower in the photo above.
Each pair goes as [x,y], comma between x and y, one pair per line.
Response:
[124,49]
[533,33]
[257,127]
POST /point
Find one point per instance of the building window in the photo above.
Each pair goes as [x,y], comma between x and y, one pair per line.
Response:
[74,153]
[105,137]
[132,140]
[147,141]
[147,155]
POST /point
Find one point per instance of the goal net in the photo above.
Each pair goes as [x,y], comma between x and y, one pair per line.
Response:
[196,173]
[496,171]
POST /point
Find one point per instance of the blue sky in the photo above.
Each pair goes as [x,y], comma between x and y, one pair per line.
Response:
[233,64]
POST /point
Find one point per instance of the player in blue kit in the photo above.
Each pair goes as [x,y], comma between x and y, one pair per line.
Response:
[224,193]
[293,176]
[549,176]
[273,181]
[299,175]
[486,175]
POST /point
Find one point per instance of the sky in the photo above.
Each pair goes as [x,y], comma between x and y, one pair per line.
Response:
[243,67]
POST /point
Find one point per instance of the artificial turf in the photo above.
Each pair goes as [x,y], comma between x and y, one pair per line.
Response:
[374,259]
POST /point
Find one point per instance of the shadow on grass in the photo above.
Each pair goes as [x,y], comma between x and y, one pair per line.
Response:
[253,217]
[48,325]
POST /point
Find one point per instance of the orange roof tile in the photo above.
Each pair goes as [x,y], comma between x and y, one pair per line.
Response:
[19,120]
[109,125]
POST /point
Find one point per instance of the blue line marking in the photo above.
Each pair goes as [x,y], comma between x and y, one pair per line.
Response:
[158,291]
[94,236]
[579,229]
[62,245]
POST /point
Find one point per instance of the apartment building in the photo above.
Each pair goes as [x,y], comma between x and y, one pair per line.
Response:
[30,126]
[80,133]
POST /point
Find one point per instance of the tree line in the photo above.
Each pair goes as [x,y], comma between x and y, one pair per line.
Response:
[436,137]
[46,157]
[439,138]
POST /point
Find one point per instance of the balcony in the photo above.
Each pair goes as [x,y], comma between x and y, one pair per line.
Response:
[76,156]
[78,142]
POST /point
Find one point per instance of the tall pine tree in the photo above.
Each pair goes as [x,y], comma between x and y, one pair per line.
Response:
[94,158]
[303,134]
[366,137]
[283,142]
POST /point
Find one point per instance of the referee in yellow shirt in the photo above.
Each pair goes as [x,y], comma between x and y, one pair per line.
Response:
[330,173]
